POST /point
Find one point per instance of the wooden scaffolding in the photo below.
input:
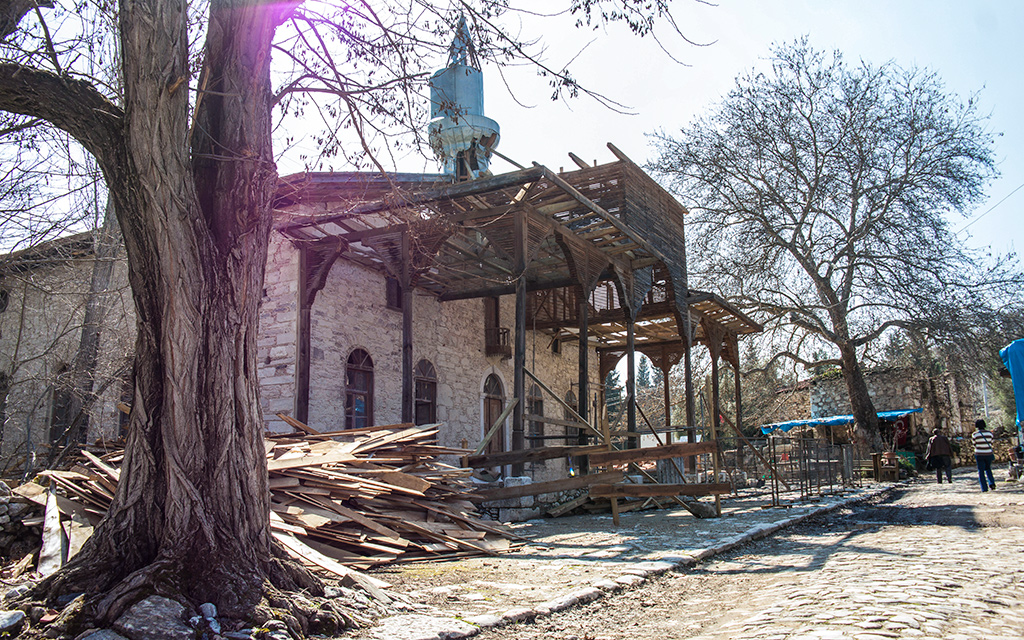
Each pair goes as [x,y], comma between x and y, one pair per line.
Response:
[595,255]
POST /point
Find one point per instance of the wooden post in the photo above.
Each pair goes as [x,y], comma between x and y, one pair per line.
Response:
[405,282]
[583,401]
[713,424]
[739,416]
[665,388]
[691,417]
[631,442]
[608,443]
[315,261]
[519,351]
[303,339]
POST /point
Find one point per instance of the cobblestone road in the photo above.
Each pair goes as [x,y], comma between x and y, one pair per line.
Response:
[929,561]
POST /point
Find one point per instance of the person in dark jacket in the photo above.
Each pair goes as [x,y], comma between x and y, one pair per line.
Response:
[940,455]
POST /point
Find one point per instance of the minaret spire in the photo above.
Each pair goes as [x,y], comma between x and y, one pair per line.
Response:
[460,134]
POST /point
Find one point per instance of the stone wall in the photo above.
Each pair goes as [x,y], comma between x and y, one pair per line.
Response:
[41,327]
[40,331]
[351,312]
[278,331]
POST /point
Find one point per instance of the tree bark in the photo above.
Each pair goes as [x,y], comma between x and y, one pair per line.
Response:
[864,413]
[191,513]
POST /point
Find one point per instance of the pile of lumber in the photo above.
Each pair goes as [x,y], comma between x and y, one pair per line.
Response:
[353,498]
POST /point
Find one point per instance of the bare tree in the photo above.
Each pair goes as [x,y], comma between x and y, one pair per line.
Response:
[184,146]
[819,193]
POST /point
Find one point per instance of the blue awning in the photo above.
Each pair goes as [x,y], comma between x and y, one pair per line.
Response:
[1013,357]
[834,421]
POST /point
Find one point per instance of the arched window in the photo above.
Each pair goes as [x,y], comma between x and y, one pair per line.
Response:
[494,404]
[425,380]
[535,428]
[358,390]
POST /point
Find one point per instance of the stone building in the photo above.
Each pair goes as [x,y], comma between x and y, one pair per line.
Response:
[946,400]
[44,295]
[491,304]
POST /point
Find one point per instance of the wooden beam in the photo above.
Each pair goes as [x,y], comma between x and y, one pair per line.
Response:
[596,208]
[527,455]
[648,454]
[554,486]
[658,490]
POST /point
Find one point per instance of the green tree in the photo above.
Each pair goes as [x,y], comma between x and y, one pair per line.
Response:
[819,193]
[612,392]
[643,373]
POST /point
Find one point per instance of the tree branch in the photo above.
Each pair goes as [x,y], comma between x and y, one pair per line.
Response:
[74,106]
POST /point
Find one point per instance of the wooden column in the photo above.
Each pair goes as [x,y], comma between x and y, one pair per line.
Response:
[519,350]
[583,400]
[584,358]
[691,414]
[405,282]
[716,412]
[739,414]
[714,334]
[303,339]
[315,261]
[665,368]
[631,442]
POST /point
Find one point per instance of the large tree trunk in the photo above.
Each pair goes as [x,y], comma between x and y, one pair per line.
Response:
[864,414]
[191,513]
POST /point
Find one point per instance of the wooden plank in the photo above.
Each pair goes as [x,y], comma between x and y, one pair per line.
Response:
[566,507]
[51,556]
[359,518]
[399,479]
[38,494]
[81,530]
[305,552]
[308,461]
[437,535]
[532,417]
[299,425]
[648,454]
[529,455]
[656,490]
[497,424]
[285,482]
[111,472]
[537,488]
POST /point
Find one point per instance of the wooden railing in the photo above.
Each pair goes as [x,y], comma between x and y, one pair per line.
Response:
[497,342]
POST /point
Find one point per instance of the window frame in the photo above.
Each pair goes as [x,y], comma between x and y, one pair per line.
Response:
[424,379]
[359,363]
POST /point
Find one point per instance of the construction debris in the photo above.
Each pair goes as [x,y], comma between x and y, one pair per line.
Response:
[339,501]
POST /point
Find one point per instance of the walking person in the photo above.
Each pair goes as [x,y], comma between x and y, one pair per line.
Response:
[984,454]
[940,455]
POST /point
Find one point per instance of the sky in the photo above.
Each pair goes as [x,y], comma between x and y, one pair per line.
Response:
[975,46]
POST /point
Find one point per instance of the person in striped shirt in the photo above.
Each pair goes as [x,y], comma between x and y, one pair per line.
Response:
[984,455]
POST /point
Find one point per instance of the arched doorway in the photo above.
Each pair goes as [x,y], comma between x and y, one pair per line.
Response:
[494,404]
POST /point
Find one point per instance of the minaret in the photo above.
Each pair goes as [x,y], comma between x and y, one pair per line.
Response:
[459,133]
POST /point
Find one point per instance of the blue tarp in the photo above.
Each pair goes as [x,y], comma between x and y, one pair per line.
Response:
[1013,357]
[833,421]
